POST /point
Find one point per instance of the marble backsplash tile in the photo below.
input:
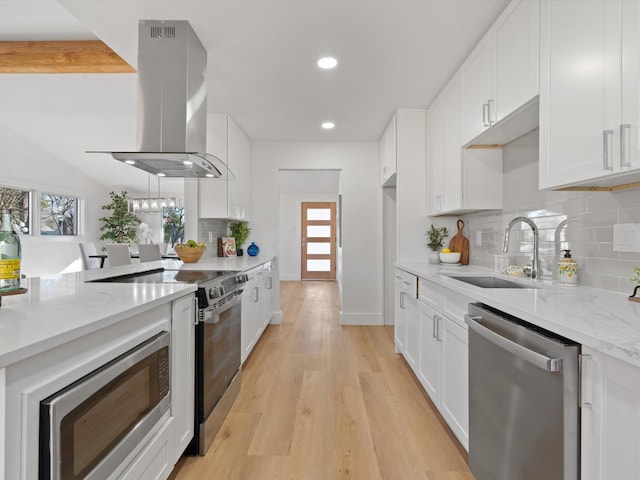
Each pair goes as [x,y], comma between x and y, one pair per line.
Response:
[580,221]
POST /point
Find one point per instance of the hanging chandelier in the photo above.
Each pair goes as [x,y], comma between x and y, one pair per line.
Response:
[153,204]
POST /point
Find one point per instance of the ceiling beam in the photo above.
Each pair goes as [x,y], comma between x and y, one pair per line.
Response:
[75,56]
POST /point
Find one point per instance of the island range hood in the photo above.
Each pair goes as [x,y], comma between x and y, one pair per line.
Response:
[172,104]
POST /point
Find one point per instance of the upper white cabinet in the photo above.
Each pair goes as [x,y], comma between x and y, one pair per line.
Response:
[227,198]
[589,92]
[500,78]
[388,154]
[458,180]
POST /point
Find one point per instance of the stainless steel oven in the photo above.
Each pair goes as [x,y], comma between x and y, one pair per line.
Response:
[218,348]
[218,343]
[88,428]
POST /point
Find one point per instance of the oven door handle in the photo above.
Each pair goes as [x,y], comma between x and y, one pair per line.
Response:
[211,314]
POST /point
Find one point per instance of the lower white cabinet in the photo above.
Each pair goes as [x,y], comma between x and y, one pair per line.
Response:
[455,379]
[182,371]
[610,417]
[430,363]
[443,348]
[405,315]
[257,305]
[156,460]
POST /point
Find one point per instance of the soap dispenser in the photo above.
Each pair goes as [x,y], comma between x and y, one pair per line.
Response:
[567,269]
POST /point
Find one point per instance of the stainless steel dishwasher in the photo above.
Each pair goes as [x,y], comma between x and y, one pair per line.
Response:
[524,420]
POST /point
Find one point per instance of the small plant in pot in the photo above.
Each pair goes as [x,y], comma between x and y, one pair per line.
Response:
[239,231]
[436,236]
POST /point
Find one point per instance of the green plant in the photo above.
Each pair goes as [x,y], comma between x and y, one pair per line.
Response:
[436,237]
[636,279]
[240,231]
[121,226]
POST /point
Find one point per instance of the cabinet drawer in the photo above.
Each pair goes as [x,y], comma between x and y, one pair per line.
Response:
[455,305]
[429,293]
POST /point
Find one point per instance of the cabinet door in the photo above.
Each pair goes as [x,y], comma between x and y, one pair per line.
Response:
[388,152]
[430,360]
[478,88]
[412,345]
[579,90]
[212,192]
[400,321]
[630,121]
[250,318]
[182,371]
[435,164]
[516,56]
[451,148]
[610,418]
[239,157]
[455,380]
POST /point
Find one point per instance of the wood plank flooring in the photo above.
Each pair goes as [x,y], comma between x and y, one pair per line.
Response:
[321,401]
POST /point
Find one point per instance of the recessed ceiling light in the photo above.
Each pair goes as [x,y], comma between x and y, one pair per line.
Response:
[187,162]
[130,162]
[328,125]
[210,175]
[162,174]
[327,63]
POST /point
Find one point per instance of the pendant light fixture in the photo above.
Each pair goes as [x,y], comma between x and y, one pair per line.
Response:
[153,204]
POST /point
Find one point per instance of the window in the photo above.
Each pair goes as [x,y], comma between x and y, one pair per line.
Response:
[58,215]
[173,225]
[18,202]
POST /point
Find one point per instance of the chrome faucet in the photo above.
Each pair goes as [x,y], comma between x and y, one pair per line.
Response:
[535,267]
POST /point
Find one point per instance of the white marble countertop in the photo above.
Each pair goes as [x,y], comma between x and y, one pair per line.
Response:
[601,319]
[60,308]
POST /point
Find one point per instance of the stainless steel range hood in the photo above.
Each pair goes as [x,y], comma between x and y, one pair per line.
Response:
[172,104]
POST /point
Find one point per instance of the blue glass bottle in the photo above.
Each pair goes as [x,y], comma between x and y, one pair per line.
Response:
[253,249]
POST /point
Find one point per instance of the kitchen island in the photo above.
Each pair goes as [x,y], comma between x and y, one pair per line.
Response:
[67,326]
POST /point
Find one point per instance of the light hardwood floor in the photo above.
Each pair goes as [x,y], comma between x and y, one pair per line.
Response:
[324,401]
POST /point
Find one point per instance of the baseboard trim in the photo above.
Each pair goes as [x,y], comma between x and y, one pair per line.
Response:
[276,318]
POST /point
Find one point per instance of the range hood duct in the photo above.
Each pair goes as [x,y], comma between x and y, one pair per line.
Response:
[172,104]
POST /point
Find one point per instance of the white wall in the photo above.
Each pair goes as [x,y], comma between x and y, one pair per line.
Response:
[361,213]
[290,231]
[25,165]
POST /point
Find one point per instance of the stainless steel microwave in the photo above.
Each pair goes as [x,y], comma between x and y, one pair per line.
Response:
[88,428]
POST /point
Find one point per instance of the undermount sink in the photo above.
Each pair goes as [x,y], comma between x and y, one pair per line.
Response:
[491,282]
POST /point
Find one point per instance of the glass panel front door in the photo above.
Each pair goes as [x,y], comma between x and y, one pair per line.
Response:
[318,241]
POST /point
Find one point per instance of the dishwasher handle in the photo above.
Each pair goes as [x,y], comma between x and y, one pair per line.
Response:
[539,360]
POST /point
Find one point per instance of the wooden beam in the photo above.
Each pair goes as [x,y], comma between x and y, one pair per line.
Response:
[76,56]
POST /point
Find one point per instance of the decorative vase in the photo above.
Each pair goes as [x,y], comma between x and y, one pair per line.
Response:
[253,249]
[239,252]
[434,257]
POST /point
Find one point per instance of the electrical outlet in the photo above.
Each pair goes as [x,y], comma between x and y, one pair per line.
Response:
[626,237]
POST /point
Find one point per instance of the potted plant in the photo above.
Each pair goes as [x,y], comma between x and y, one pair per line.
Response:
[436,236]
[122,225]
[239,231]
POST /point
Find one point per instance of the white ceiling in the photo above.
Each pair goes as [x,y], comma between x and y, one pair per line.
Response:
[261,68]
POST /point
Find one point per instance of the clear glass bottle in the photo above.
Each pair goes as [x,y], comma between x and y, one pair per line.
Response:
[10,255]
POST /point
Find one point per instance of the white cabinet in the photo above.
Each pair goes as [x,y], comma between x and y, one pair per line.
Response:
[589,77]
[230,198]
[478,88]
[405,307]
[501,75]
[444,152]
[455,379]
[388,154]
[182,372]
[257,305]
[430,361]
[458,180]
[610,417]
[156,459]
[443,360]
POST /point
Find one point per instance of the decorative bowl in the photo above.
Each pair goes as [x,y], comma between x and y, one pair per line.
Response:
[189,254]
[453,257]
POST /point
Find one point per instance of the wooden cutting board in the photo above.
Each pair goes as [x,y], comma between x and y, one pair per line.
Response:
[460,243]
